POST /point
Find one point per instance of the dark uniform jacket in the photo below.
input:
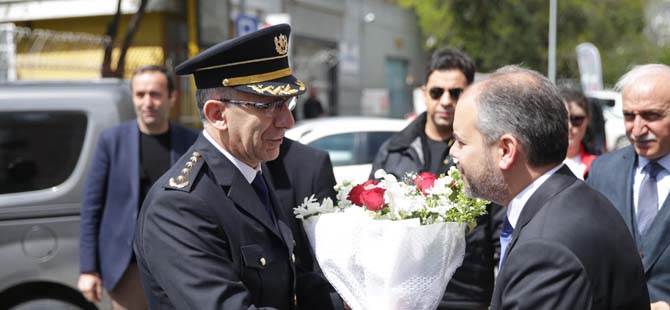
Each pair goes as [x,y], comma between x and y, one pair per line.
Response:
[570,249]
[204,240]
[612,175]
[472,284]
[297,173]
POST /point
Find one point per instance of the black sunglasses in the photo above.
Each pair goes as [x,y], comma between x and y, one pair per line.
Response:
[577,121]
[437,92]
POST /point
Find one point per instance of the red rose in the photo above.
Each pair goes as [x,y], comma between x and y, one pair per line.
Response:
[424,181]
[373,199]
[357,191]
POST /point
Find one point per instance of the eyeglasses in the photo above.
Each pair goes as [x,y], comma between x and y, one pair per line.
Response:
[577,120]
[268,108]
[437,92]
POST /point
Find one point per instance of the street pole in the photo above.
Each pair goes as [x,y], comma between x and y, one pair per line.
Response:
[551,71]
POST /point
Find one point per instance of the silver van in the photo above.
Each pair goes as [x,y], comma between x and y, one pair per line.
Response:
[48,132]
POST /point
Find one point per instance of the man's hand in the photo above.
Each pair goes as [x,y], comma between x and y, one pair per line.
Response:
[90,284]
[660,305]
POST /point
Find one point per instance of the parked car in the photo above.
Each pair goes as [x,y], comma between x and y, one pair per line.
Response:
[611,104]
[48,132]
[351,142]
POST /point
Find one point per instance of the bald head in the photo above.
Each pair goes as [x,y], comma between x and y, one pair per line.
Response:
[643,75]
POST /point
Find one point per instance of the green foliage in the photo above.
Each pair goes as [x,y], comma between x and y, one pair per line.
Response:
[496,33]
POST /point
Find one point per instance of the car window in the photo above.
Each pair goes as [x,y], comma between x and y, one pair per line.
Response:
[373,141]
[38,150]
[340,147]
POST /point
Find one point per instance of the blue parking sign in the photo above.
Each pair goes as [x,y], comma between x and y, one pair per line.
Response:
[245,24]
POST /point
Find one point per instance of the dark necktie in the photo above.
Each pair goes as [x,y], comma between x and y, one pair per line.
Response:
[647,203]
[261,190]
[505,238]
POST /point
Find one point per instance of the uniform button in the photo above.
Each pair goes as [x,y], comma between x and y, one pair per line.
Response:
[262,261]
[293,258]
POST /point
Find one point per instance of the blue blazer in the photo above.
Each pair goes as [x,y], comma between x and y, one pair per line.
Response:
[612,175]
[111,199]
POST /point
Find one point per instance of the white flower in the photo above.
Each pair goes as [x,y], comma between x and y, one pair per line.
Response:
[380,174]
[310,206]
[343,193]
[403,200]
[442,186]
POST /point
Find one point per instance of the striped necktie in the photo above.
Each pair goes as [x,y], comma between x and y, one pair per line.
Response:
[647,203]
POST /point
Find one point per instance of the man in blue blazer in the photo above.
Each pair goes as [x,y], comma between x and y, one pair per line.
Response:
[621,176]
[127,160]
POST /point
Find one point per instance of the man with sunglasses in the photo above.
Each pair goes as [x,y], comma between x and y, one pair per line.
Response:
[424,146]
[212,234]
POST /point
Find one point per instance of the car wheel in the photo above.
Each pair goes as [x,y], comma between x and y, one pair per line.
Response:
[29,296]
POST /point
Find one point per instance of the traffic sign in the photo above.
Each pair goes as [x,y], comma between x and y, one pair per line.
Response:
[245,24]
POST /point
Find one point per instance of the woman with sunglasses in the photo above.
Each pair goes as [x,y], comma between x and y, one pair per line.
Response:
[578,158]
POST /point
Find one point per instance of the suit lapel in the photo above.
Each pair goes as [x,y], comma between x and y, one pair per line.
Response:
[554,185]
[233,182]
[133,143]
[275,172]
[280,211]
[627,211]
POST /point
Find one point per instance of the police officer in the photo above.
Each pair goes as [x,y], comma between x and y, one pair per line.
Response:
[211,234]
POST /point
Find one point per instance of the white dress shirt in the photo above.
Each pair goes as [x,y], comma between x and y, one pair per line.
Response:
[576,166]
[515,206]
[247,171]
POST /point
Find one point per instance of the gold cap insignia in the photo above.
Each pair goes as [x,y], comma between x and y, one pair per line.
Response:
[300,84]
[280,90]
[281,44]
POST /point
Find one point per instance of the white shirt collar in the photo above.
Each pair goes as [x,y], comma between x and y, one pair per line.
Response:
[663,161]
[247,171]
[515,206]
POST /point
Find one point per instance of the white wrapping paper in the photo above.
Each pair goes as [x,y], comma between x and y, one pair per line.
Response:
[381,264]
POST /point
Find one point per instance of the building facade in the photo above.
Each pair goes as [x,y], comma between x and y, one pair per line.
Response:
[364,56]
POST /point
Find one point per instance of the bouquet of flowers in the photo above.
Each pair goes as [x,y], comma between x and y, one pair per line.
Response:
[391,244]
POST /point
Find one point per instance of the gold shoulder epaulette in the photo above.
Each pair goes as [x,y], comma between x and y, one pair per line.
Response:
[186,174]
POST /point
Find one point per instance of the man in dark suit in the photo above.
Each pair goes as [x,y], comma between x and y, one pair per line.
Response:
[299,172]
[563,244]
[127,160]
[212,233]
[623,176]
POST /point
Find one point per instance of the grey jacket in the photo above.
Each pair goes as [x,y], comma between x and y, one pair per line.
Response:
[404,151]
